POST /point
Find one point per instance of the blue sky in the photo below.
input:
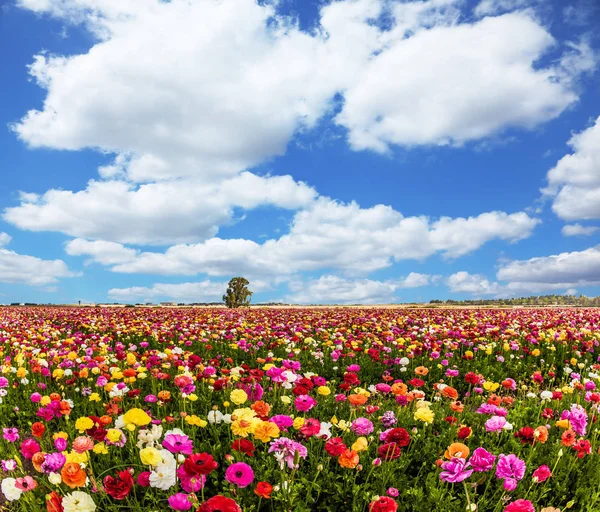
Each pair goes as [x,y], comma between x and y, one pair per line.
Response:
[352,151]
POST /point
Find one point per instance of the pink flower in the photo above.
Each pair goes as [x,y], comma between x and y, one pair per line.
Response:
[240,474]
[177,443]
[511,469]
[393,492]
[180,501]
[10,434]
[304,403]
[362,426]
[60,443]
[26,484]
[482,460]
[541,474]
[495,423]
[190,482]
[455,470]
[577,417]
[29,448]
[520,506]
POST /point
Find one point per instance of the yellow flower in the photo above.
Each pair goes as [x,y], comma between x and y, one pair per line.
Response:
[265,431]
[491,386]
[45,400]
[424,414]
[150,456]
[343,425]
[360,444]
[238,396]
[58,373]
[76,457]
[21,372]
[56,435]
[242,428]
[564,424]
[100,449]
[286,400]
[113,435]
[298,422]
[83,424]
[94,397]
[226,404]
[193,397]
[535,352]
[136,417]
[323,390]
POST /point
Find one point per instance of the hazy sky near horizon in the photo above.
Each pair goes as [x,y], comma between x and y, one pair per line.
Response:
[348,151]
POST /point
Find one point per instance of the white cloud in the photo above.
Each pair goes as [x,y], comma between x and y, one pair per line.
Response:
[460,82]
[24,269]
[578,230]
[574,183]
[333,289]
[332,235]
[154,213]
[416,280]
[202,291]
[476,284]
[227,84]
[491,7]
[5,239]
[106,253]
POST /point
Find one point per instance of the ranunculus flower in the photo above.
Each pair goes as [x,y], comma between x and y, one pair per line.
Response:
[481,460]
[239,474]
[118,487]
[180,501]
[520,506]
[541,474]
[264,490]
[383,504]
[455,470]
[219,504]
[200,464]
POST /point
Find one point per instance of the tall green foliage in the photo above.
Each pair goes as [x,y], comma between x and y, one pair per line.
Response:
[237,293]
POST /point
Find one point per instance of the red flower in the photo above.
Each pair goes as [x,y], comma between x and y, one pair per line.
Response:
[399,436]
[200,464]
[383,504]
[464,433]
[54,502]
[472,378]
[38,429]
[335,446]
[118,487]
[526,435]
[582,447]
[264,490]
[417,383]
[389,451]
[243,445]
[548,413]
[219,504]
[311,427]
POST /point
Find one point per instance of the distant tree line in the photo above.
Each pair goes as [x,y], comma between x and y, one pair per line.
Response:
[541,300]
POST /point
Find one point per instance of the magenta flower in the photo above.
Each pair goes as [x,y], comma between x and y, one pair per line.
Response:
[239,474]
[455,471]
[177,443]
[60,443]
[362,426]
[283,421]
[287,451]
[578,418]
[29,448]
[180,501]
[190,482]
[520,506]
[53,462]
[10,434]
[481,460]
[541,474]
[511,469]
[304,403]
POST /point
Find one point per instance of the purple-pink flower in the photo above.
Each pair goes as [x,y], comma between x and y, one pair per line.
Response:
[455,470]
[481,460]
[495,423]
[304,403]
[511,469]
[178,443]
[362,426]
[239,474]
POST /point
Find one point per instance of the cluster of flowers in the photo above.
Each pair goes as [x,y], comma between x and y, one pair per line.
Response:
[300,409]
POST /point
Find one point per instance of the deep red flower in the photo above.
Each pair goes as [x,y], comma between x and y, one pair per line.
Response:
[464,432]
[547,413]
[472,378]
[243,445]
[399,436]
[219,504]
[383,504]
[264,490]
[389,451]
[335,446]
[200,464]
[118,487]
[526,435]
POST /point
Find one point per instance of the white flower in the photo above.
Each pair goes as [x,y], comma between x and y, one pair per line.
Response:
[404,361]
[325,431]
[215,417]
[55,478]
[546,395]
[78,501]
[163,477]
[175,431]
[149,437]
[531,395]
[507,426]
[9,490]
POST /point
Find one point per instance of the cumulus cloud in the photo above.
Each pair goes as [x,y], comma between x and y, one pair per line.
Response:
[154,213]
[333,235]
[333,289]
[574,182]
[578,230]
[24,269]
[106,253]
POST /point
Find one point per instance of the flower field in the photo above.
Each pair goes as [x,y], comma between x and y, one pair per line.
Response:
[299,410]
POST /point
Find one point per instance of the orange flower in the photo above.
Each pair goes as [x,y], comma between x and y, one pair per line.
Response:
[421,370]
[73,475]
[55,397]
[38,429]
[165,396]
[457,406]
[84,373]
[494,400]
[357,399]
[348,459]
[261,408]
[450,392]
[568,438]
[508,400]
[105,421]
[541,434]
[130,372]
[506,383]
[399,388]
[457,450]
[65,408]
[37,461]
